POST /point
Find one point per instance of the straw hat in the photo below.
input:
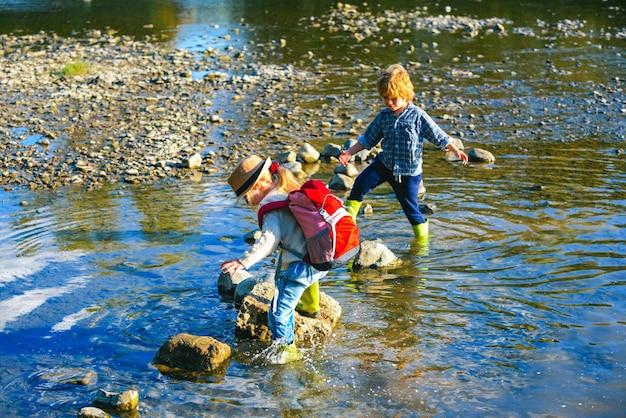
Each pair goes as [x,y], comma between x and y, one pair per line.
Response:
[246,174]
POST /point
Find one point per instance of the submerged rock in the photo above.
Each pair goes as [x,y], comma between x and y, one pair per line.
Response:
[427,208]
[55,378]
[479,155]
[120,401]
[92,412]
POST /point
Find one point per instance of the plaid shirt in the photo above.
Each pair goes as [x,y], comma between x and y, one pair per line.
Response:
[403,138]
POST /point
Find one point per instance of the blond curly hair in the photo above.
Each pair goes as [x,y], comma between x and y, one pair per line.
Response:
[394,81]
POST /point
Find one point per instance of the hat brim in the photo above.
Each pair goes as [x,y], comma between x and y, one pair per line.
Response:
[254,178]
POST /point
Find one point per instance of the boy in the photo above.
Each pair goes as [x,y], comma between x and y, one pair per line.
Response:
[402,127]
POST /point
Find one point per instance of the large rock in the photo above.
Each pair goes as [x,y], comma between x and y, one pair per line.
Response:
[256,294]
[341,182]
[479,155]
[226,284]
[374,254]
[252,321]
[191,352]
[262,287]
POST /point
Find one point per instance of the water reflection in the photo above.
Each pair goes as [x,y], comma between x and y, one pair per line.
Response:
[66,17]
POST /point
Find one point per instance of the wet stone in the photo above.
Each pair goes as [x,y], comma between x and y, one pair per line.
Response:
[92,412]
[120,401]
[191,352]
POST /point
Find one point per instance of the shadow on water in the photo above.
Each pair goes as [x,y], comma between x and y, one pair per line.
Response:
[515,307]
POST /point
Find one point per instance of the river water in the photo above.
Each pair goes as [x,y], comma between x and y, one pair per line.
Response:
[515,309]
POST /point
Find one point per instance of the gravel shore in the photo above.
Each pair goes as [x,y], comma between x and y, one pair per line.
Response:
[104,109]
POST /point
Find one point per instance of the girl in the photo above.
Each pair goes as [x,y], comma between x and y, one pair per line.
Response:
[259,182]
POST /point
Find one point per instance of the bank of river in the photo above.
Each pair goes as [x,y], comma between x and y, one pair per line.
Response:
[107,109]
[104,108]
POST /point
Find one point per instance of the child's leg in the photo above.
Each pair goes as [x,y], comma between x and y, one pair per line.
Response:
[281,313]
[373,175]
[406,192]
[289,288]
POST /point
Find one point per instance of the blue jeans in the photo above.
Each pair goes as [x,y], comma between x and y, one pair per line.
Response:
[290,285]
[406,189]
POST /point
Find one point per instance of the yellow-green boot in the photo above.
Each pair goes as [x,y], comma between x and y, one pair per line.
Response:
[421,237]
[352,207]
[309,303]
[421,230]
[286,353]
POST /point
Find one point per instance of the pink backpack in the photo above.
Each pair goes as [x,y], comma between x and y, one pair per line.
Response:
[332,237]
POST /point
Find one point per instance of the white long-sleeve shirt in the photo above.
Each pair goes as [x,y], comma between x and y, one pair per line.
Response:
[279,227]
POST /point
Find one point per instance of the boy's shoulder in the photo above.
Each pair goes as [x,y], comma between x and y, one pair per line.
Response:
[414,111]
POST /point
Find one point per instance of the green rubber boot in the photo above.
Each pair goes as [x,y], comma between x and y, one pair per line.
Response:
[309,303]
[352,206]
[287,353]
[421,230]
[421,238]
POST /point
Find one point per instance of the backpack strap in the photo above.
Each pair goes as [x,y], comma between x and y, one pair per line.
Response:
[268,207]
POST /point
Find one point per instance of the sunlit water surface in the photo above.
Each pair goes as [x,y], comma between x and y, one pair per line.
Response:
[515,308]
[516,305]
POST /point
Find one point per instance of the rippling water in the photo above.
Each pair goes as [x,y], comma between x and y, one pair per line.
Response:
[516,308]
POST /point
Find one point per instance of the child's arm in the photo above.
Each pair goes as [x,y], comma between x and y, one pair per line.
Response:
[346,154]
[459,154]
[262,247]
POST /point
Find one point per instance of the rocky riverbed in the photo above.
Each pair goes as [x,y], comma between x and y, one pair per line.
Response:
[102,108]
[106,108]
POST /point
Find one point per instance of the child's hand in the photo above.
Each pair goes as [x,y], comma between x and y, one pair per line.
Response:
[344,157]
[463,156]
[231,266]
